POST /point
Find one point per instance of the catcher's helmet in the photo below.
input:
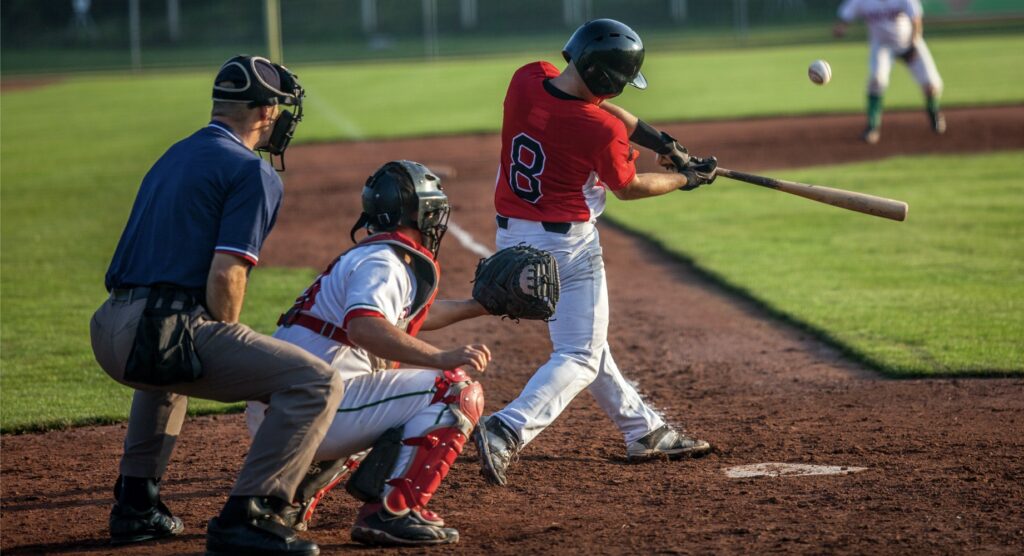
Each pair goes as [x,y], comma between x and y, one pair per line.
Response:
[607,54]
[405,193]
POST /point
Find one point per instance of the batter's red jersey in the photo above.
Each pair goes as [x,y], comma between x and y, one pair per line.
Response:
[558,152]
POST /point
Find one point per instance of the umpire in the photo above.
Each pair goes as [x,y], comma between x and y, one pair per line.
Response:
[170,326]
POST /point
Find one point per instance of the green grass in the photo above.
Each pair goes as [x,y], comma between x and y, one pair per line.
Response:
[74,152]
[939,294]
[50,378]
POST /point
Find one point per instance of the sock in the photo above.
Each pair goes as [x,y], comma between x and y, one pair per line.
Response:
[932,102]
[874,111]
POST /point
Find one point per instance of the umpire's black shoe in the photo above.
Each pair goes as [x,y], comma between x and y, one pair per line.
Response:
[498,448]
[129,525]
[139,515]
[376,526]
[251,526]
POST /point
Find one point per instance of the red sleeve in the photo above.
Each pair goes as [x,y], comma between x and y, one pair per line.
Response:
[615,164]
[356,313]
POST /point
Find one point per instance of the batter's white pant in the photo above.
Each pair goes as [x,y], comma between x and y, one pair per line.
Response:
[579,334]
[922,68]
[372,404]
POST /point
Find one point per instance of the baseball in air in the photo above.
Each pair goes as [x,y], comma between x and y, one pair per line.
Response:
[820,72]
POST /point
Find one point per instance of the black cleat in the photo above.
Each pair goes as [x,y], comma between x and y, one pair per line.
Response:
[382,528]
[497,449]
[253,526]
[665,442]
[128,525]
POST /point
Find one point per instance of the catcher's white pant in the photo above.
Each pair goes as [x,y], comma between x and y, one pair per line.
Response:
[372,404]
[579,334]
[922,67]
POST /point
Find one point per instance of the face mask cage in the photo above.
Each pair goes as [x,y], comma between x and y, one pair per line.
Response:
[433,220]
[284,127]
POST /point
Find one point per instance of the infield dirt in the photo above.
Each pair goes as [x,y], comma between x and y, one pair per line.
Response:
[944,458]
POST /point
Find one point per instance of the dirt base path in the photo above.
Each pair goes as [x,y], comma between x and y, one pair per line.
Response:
[944,458]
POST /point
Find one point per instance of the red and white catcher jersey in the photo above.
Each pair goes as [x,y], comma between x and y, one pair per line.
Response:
[558,153]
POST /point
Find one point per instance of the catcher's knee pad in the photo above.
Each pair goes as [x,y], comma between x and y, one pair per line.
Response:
[436,450]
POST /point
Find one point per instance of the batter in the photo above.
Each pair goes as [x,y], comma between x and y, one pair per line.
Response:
[563,148]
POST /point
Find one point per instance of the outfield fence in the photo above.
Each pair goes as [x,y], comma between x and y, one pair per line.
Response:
[47,36]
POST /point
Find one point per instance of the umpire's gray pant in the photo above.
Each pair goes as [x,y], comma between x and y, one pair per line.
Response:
[238,365]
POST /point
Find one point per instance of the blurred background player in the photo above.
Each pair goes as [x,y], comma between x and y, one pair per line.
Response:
[362,315]
[895,29]
[563,146]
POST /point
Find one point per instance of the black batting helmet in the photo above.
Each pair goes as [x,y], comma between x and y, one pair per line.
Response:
[405,193]
[607,54]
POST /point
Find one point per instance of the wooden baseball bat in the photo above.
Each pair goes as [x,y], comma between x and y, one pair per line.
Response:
[850,200]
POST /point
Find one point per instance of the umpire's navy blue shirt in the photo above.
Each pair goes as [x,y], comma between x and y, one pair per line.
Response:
[208,193]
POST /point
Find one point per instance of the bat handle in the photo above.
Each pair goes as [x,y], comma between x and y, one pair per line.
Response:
[749,178]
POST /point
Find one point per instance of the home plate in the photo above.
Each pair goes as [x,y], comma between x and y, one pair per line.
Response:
[774,469]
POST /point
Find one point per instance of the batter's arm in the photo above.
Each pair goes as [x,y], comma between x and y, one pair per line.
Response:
[225,287]
[445,312]
[650,184]
[628,119]
[385,340]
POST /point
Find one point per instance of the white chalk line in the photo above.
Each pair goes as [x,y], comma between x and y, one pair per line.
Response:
[776,469]
[341,123]
[466,240]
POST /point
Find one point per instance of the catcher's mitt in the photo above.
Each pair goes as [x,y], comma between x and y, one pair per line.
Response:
[518,282]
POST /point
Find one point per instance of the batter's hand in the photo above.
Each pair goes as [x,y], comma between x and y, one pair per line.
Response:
[473,356]
[672,155]
[700,171]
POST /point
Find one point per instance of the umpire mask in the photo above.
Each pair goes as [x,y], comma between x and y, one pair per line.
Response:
[256,81]
[405,193]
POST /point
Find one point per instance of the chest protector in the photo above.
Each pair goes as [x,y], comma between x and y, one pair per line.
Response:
[426,273]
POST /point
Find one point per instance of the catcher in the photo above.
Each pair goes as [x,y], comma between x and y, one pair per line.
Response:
[400,428]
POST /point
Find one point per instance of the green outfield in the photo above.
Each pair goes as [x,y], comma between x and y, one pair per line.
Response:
[74,152]
[939,294]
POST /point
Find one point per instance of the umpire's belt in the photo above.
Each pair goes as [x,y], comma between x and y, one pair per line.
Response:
[553,227]
[142,292]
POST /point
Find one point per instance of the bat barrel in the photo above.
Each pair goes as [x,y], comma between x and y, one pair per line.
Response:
[850,200]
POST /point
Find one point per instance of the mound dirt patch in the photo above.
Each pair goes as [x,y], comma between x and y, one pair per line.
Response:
[944,458]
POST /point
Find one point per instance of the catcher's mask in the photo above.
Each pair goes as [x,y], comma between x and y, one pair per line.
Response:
[256,81]
[607,54]
[405,193]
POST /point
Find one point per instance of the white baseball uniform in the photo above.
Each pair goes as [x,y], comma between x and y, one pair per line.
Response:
[890,28]
[379,281]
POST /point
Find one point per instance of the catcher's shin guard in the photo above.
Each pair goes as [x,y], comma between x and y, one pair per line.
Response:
[319,480]
[436,450]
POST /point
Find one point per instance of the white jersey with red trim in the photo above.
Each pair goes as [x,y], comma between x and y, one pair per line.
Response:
[368,281]
[889,22]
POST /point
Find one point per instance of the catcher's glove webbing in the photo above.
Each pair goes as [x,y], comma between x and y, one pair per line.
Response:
[518,282]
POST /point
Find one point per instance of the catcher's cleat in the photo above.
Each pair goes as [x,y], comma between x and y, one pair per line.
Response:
[665,442]
[497,447]
[938,120]
[376,526]
[871,135]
